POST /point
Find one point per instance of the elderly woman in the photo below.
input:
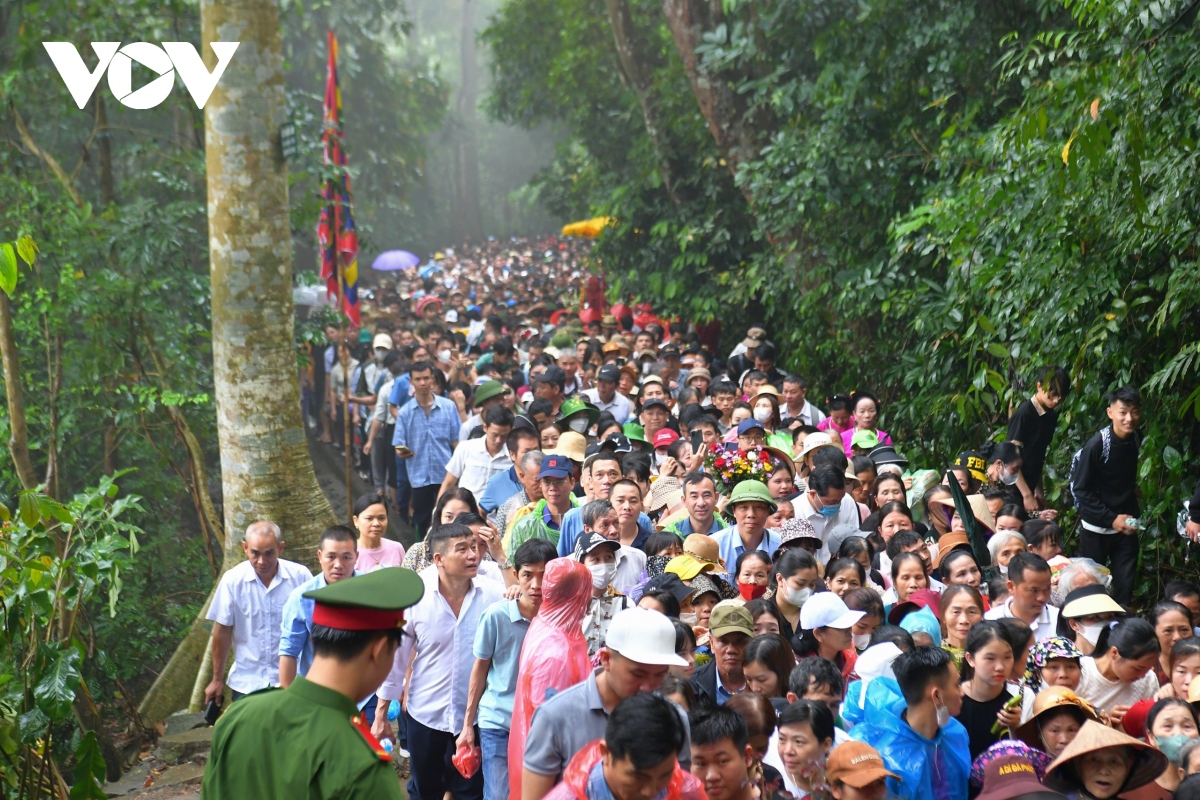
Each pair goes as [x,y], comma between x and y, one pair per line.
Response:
[1101,763]
[1003,545]
[1079,573]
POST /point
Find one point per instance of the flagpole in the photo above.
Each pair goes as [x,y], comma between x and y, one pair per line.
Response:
[349,440]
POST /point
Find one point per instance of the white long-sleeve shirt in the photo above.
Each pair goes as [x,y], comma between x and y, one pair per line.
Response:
[440,648]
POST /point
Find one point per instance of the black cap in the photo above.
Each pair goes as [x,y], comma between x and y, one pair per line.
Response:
[616,443]
[590,541]
[656,402]
[668,350]
[522,422]
[609,372]
[668,582]
[553,374]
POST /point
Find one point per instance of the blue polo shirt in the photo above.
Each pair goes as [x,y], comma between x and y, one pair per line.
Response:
[499,488]
[572,529]
[500,634]
[730,545]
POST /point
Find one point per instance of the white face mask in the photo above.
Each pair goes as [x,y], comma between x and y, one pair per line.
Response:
[444,356]
[1092,632]
[943,715]
[646,368]
[690,618]
[1008,478]
[762,414]
[602,574]
[796,597]
[578,425]
[659,458]
[861,641]
[1003,569]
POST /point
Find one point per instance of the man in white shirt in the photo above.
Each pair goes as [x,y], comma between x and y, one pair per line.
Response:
[826,504]
[477,461]
[795,402]
[606,397]
[1029,596]
[440,634]
[247,612]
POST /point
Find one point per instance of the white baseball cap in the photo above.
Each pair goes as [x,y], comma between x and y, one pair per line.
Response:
[382,342]
[826,610]
[644,636]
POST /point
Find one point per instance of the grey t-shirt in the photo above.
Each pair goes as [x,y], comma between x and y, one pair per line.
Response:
[568,721]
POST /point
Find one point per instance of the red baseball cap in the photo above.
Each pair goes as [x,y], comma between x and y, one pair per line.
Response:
[665,438]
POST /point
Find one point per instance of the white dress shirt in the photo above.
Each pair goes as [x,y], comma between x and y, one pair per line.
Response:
[619,406]
[255,612]
[442,643]
[810,414]
[847,515]
[474,466]
[630,564]
[1045,626]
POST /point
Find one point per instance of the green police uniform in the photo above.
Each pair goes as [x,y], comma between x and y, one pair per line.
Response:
[308,741]
[298,742]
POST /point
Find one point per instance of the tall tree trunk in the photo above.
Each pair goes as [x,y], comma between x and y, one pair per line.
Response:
[108,191]
[266,471]
[468,216]
[725,109]
[18,436]
[637,71]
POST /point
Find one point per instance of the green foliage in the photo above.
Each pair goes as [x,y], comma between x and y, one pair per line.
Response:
[90,774]
[947,198]
[55,558]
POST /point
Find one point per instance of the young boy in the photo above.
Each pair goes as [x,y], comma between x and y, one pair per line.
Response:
[497,652]
[721,753]
[724,395]
[1031,427]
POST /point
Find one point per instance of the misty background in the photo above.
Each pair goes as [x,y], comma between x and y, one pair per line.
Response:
[429,168]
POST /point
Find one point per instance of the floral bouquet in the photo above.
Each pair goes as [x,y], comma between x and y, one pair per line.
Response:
[728,468]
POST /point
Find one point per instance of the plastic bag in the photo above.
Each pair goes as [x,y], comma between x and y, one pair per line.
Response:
[467,760]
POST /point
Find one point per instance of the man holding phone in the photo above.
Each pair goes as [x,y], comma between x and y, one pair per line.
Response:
[426,435]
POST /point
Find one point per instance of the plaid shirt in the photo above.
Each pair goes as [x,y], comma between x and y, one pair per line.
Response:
[431,436]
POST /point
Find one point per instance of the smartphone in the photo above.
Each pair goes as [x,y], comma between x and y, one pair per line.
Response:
[697,440]
[403,450]
[212,712]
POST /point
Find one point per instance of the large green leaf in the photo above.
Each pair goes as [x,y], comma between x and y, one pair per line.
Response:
[90,772]
[8,269]
[27,249]
[55,692]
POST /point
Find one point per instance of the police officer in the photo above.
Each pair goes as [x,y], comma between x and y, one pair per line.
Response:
[308,740]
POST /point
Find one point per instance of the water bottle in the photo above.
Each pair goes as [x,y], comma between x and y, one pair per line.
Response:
[387,744]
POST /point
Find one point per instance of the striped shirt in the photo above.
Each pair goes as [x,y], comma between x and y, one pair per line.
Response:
[431,435]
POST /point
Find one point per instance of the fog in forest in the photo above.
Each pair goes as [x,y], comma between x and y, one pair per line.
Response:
[430,168]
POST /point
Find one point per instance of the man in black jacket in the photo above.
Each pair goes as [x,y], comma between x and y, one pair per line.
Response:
[1104,483]
[731,628]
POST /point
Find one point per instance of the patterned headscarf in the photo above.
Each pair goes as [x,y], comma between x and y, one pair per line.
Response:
[656,565]
[1009,747]
[1043,651]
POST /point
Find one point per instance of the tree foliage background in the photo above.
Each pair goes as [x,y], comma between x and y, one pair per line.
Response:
[928,199]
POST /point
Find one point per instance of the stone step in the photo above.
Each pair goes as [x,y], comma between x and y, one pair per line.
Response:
[181,722]
[179,782]
[177,747]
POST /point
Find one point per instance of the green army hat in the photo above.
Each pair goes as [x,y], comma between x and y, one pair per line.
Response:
[371,602]
[574,405]
[486,391]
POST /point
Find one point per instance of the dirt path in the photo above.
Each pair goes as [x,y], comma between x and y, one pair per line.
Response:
[330,466]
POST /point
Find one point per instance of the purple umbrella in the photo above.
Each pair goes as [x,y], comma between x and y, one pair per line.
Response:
[394,260]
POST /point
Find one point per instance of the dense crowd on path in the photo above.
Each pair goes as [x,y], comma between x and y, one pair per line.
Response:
[650,567]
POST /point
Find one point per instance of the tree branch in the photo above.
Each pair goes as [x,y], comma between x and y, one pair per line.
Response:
[18,437]
[50,161]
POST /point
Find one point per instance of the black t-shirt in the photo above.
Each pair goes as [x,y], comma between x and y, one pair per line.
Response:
[978,718]
[1034,431]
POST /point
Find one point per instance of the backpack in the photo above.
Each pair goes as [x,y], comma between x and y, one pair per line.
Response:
[1073,475]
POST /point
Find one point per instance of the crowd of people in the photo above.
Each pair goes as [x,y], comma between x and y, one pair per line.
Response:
[650,568]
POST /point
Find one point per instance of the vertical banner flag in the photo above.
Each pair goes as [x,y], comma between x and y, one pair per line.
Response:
[335,231]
